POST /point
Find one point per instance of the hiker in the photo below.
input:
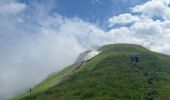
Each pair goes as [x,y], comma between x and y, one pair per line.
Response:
[136,58]
[132,59]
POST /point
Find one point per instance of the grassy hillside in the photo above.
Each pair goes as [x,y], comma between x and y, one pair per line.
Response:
[111,76]
[48,83]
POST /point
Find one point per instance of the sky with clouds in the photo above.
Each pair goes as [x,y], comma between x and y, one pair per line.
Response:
[38,37]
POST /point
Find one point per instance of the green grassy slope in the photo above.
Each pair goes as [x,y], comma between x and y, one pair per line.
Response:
[48,83]
[111,76]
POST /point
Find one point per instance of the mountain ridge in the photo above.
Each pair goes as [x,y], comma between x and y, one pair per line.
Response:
[111,75]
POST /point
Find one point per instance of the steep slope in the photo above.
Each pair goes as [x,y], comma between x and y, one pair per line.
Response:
[56,77]
[112,75]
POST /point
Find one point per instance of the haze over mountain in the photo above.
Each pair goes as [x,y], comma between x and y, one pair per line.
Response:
[38,37]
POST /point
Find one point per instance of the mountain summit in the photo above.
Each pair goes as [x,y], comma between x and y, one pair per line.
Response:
[117,71]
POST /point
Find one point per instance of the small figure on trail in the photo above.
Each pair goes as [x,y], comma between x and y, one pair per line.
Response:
[134,59]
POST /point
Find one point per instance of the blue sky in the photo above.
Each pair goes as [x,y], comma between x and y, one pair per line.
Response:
[95,11]
[38,37]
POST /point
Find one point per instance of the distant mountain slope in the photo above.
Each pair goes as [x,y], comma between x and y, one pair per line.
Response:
[111,75]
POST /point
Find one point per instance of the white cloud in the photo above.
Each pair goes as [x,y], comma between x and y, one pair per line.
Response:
[166,2]
[147,27]
[90,55]
[12,8]
[154,8]
[33,56]
[123,19]
[97,1]
[151,33]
